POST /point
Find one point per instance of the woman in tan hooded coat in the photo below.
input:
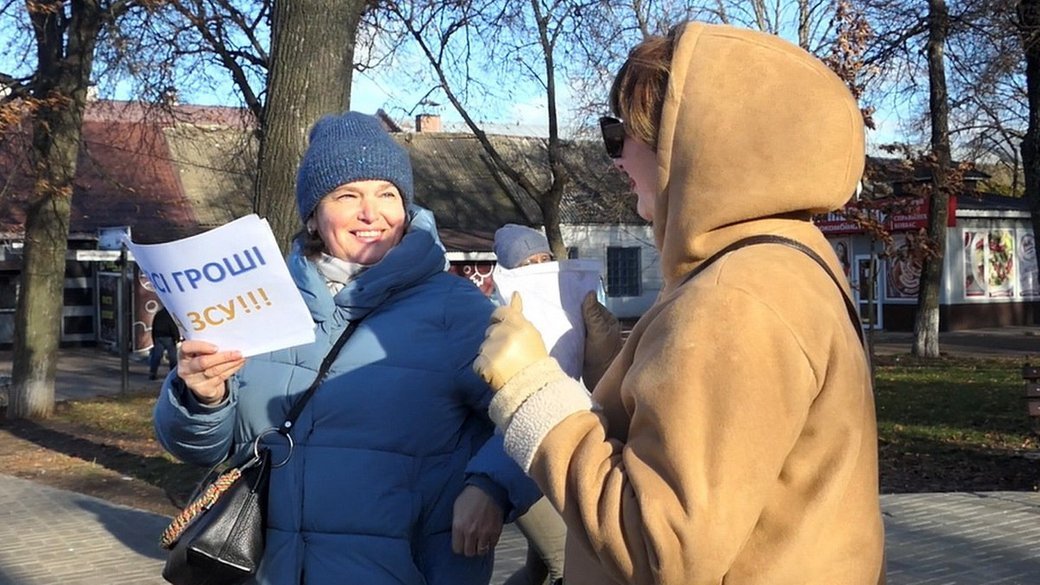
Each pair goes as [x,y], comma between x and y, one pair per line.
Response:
[733,439]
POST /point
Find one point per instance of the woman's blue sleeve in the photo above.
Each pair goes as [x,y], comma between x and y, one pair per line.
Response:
[490,468]
[491,465]
[190,431]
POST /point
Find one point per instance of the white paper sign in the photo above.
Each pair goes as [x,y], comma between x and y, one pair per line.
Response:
[552,293]
[229,286]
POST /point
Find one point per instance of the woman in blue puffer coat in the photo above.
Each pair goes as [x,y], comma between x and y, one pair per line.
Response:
[393,478]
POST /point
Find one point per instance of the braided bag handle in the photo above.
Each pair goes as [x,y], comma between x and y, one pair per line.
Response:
[213,491]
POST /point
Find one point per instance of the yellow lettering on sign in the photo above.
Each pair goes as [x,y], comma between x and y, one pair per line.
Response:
[216,315]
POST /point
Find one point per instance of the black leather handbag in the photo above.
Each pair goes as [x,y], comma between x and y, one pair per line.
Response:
[218,539]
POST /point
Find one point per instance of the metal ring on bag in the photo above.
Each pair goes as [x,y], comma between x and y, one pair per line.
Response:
[256,446]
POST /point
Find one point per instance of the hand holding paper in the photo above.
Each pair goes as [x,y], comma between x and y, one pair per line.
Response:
[553,294]
[602,339]
[510,345]
[205,370]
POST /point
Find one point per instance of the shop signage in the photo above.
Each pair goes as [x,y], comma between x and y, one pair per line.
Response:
[913,218]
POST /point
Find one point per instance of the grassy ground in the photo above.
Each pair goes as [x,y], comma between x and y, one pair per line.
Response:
[954,425]
[946,425]
[103,447]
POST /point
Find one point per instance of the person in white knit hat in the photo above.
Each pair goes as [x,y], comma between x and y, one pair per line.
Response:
[517,246]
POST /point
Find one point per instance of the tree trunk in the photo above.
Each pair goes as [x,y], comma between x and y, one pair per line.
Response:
[926,324]
[549,200]
[64,73]
[1029,29]
[311,68]
[549,203]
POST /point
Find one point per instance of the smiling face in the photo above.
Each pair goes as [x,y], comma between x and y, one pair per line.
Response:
[361,221]
[639,162]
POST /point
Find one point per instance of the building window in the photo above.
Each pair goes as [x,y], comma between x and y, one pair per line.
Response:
[624,272]
[8,291]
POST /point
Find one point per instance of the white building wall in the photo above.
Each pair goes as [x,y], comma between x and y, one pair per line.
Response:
[592,242]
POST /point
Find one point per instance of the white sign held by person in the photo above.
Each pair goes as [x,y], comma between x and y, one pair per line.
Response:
[552,293]
[229,286]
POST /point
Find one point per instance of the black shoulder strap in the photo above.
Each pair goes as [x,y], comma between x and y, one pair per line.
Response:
[773,239]
[297,408]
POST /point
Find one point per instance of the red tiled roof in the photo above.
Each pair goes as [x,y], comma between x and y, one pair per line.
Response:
[125,174]
[119,111]
[171,173]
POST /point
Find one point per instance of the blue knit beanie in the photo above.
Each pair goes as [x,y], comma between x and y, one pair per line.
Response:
[516,243]
[349,147]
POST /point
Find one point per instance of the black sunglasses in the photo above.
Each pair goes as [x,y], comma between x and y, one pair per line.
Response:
[613,135]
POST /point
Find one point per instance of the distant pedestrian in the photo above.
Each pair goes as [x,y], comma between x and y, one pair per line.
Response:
[165,337]
[517,246]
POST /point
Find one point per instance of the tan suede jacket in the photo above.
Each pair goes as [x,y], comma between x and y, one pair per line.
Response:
[733,440]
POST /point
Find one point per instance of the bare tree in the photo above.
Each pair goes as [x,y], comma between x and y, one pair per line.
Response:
[975,109]
[227,34]
[926,322]
[304,73]
[65,36]
[1029,31]
[576,44]
[528,35]
[307,52]
[310,74]
[984,71]
[986,79]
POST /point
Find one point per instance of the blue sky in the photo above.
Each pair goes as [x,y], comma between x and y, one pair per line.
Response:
[525,116]
[399,95]
[371,92]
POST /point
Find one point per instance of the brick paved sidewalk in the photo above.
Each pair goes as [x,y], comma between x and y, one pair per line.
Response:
[959,538]
[55,537]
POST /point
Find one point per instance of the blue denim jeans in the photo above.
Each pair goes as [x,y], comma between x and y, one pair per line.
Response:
[161,345]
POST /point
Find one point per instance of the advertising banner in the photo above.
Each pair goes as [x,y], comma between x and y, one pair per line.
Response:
[1028,273]
[989,263]
[903,280]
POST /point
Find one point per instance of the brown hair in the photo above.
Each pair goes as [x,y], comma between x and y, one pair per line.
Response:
[311,244]
[637,94]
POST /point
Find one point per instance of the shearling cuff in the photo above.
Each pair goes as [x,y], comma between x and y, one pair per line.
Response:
[522,385]
[539,414]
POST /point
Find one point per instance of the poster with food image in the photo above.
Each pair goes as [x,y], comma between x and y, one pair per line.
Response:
[989,268]
[974,247]
[1000,263]
[1028,271]
[904,272]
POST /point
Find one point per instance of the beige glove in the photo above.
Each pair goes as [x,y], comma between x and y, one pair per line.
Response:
[514,362]
[602,339]
[511,344]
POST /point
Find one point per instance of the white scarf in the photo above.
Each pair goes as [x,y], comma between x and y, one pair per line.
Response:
[337,272]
